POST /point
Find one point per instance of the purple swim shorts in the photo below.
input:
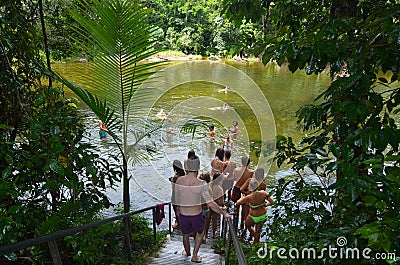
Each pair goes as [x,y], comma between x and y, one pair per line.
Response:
[190,223]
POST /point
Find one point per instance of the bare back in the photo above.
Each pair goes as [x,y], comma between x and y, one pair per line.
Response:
[230,167]
[189,192]
[242,174]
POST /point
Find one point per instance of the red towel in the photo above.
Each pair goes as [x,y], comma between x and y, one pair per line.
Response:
[159,213]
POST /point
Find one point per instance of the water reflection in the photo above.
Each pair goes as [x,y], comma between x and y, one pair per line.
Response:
[284,91]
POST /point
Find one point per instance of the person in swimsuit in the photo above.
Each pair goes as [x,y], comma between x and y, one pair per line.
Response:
[207,178]
[227,183]
[217,163]
[161,115]
[235,129]
[178,172]
[103,130]
[258,202]
[228,143]
[212,134]
[189,193]
[218,196]
[259,176]
[240,175]
[191,155]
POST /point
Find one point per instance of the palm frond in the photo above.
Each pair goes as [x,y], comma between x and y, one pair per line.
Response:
[140,151]
[99,107]
[122,39]
[192,125]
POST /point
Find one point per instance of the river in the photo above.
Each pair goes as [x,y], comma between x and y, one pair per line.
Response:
[263,99]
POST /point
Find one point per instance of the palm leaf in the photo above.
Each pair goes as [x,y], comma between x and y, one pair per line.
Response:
[99,107]
[191,126]
[142,150]
[122,37]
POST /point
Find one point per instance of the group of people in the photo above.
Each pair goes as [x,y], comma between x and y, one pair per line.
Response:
[200,199]
[192,202]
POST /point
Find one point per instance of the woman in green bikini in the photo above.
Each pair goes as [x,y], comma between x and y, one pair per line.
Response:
[258,202]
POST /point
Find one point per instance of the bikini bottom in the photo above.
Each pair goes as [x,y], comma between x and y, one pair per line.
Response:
[258,219]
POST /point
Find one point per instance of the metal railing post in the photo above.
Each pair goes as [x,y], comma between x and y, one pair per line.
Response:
[154,224]
[228,249]
[236,217]
[169,218]
[55,254]
[232,238]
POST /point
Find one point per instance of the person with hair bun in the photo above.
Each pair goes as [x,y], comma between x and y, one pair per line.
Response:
[258,200]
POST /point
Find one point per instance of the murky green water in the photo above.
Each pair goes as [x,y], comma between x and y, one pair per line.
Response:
[284,93]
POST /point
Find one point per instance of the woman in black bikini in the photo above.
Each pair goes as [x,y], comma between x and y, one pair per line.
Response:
[178,172]
[258,202]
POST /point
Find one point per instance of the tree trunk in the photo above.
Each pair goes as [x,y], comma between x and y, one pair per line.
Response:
[46,45]
[126,199]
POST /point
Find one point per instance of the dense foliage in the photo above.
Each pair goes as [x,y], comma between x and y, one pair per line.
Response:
[51,177]
[198,27]
[192,27]
[347,165]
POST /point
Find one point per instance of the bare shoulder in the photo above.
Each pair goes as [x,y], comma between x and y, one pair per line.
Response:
[181,180]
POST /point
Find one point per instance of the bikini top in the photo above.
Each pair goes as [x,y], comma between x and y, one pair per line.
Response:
[258,205]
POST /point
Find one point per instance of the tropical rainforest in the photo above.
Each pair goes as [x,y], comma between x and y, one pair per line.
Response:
[52,180]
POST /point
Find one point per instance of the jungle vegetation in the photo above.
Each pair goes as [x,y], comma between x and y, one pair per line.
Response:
[51,179]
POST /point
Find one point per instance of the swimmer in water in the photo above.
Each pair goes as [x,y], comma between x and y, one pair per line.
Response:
[212,134]
[161,115]
[103,130]
[225,90]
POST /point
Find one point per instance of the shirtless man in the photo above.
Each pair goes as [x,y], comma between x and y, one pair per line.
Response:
[189,192]
[259,177]
[241,175]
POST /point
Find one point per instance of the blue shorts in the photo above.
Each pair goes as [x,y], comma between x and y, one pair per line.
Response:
[191,223]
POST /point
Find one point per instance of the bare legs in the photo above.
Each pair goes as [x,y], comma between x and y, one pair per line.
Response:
[255,232]
[186,244]
[215,218]
[207,225]
[197,242]
[176,210]
[245,213]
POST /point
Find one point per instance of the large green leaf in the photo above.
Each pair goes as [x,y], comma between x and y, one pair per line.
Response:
[120,39]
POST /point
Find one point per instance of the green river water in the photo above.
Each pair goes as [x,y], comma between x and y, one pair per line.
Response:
[263,99]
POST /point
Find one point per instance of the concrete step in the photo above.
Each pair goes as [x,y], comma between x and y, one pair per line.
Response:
[171,253]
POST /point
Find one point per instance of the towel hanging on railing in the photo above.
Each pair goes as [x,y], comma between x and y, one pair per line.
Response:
[160,213]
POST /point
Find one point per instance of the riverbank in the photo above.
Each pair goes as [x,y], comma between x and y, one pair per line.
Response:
[178,56]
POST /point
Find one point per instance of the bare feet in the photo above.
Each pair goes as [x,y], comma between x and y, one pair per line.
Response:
[196,259]
[184,253]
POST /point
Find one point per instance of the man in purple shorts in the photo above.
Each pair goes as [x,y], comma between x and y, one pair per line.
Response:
[189,194]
